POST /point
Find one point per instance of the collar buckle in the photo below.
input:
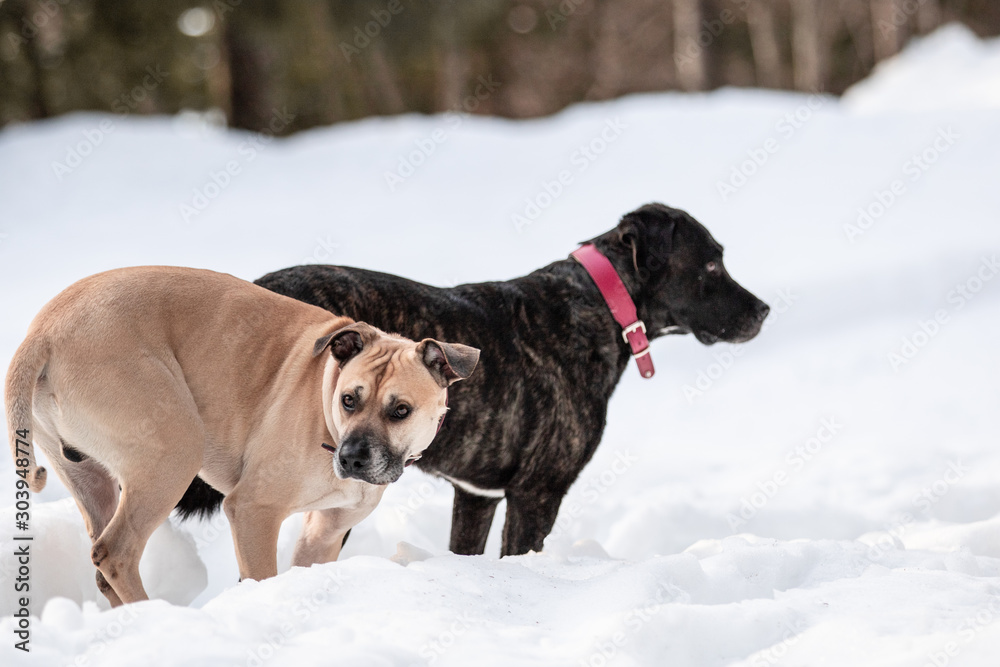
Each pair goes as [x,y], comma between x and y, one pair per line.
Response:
[638,324]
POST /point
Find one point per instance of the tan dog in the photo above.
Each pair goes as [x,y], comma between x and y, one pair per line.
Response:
[147,376]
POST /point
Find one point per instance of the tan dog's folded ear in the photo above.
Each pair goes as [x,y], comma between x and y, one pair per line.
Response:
[448,362]
[346,342]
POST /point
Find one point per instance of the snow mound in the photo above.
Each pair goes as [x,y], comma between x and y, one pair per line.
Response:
[949,69]
[170,567]
[778,602]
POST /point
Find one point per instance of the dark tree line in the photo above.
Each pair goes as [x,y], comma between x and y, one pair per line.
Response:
[324,61]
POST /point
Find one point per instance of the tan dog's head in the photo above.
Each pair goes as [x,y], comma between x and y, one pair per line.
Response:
[384,396]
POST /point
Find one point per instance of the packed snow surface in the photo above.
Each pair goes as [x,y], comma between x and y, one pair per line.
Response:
[827,494]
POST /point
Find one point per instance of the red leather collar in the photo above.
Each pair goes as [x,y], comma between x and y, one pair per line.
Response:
[619,302]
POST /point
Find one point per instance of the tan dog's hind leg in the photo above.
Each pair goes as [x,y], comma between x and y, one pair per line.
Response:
[322,536]
[137,423]
[96,494]
[255,533]
[152,484]
[146,502]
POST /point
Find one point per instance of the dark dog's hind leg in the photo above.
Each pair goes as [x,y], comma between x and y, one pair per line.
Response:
[530,517]
[471,518]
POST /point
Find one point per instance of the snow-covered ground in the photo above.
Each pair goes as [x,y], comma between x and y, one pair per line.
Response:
[828,494]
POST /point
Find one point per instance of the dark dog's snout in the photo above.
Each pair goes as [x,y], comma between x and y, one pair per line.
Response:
[762,310]
[753,321]
[355,455]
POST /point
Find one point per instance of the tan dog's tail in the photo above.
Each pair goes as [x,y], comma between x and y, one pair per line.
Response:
[23,374]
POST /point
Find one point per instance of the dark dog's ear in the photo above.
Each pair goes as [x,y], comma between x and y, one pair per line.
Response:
[651,225]
[448,362]
[632,233]
[345,342]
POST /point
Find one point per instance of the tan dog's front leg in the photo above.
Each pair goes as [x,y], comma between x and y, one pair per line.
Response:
[322,537]
[255,535]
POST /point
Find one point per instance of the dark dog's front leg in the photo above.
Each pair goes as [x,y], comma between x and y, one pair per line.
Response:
[530,518]
[471,518]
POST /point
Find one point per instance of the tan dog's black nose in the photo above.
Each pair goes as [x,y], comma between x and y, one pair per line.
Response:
[355,455]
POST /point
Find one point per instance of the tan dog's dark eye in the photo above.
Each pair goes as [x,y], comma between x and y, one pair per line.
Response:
[348,402]
[401,412]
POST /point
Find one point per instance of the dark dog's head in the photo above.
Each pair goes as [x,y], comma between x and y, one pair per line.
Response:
[384,397]
[676,267]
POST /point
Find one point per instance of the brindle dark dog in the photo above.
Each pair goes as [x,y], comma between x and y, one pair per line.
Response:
[530,418]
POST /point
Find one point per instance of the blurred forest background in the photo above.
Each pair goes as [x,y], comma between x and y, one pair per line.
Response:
[323,61]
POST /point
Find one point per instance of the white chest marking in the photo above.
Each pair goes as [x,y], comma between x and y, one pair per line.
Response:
[475,490]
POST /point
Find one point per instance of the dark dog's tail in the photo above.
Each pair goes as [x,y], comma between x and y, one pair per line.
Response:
[200,500]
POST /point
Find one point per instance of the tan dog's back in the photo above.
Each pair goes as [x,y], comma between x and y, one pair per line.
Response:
[186,332]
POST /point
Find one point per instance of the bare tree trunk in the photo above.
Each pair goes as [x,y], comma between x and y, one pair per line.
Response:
[858,18]
[928,16]
[689,54]
[47,26]
[389,98]
[765,45]
[884,29]
[807,58]
[605,53]
[453,69]
[218,80]
[248,81]
[832,24]
[39,100]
